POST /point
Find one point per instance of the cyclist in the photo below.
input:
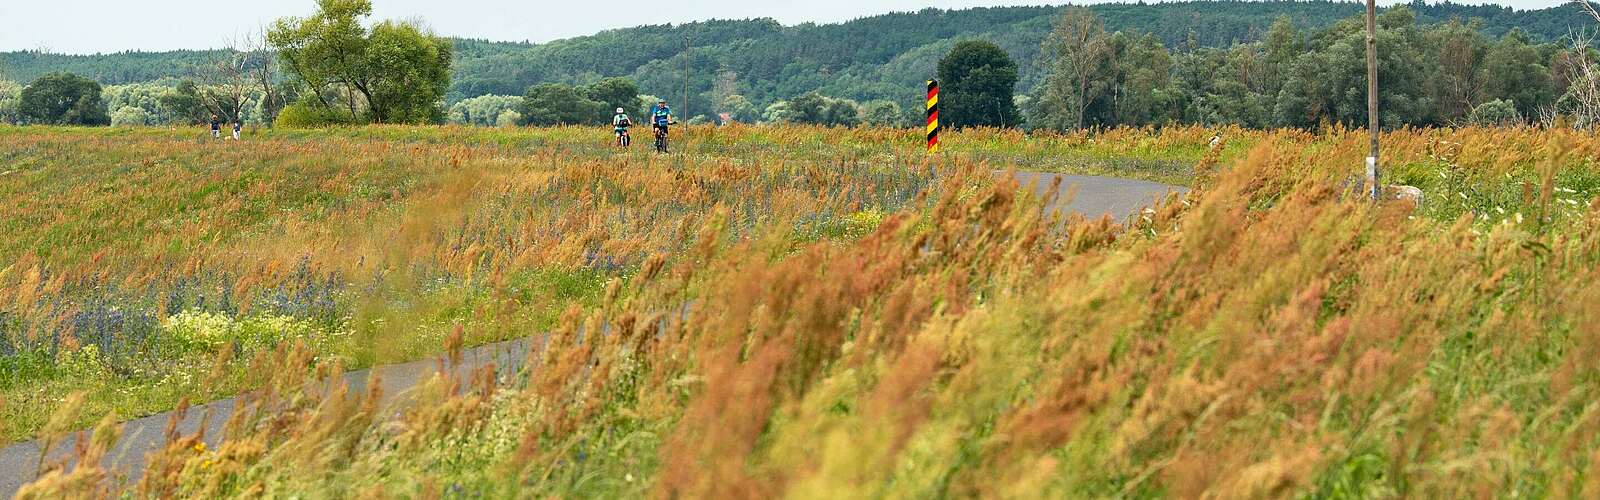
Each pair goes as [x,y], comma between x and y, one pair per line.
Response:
[621,122]
[660,117]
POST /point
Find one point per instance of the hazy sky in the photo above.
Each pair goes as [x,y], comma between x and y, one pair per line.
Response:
[89,26]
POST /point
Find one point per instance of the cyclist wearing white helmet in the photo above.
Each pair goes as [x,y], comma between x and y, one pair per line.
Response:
[621,122]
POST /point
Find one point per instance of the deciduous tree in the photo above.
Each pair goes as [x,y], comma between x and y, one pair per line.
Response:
[394,72]
[978,83]
[62,99]
[1077,52]
[561,104]
[615,93]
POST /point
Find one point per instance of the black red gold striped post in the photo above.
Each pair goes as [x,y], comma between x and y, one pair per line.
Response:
[933,116]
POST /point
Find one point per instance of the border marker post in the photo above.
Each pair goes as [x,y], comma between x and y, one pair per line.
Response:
[933,116]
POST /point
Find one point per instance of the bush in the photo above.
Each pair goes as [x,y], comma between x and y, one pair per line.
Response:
[130,116]
[10,98]
[1498,112]
[483,110]
[206,332]
[818,109]
[508,118]
[144,96]
[305,114]
[882,114]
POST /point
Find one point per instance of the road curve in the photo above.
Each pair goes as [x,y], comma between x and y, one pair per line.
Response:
[1089,196]
[1092,196]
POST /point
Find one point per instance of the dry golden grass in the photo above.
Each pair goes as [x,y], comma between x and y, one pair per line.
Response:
[1270,335]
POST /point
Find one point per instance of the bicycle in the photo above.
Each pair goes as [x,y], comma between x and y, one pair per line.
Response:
[623,139]
[661,137]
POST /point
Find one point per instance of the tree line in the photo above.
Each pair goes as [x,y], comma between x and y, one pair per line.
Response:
[1441,74]
[334,67]
[872,58]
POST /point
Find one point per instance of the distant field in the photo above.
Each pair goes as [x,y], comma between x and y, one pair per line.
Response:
[865,321]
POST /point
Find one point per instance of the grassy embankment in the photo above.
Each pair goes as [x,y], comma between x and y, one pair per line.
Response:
[1267,336]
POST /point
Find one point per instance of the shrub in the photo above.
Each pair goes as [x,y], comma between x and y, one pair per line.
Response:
[1498,112]
[10,95]
[483,110]
[304,114]
[206,332]
[882,114]
[508,118]
[130,116]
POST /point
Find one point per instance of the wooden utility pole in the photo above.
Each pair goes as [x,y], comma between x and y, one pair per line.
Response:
[1372,97]
[686,46]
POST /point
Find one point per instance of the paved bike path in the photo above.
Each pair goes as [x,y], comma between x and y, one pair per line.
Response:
[1092,197]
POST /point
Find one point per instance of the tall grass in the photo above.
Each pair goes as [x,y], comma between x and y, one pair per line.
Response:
[131,258]
[1269,335]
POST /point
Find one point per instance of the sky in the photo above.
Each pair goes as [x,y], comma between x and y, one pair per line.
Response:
[94,26]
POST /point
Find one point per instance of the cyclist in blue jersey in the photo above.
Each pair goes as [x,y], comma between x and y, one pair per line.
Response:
[660,118]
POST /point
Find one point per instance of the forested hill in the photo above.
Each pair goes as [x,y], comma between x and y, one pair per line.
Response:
[866,58]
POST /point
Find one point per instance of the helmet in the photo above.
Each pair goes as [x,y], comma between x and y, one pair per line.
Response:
[619,111]
[663,101]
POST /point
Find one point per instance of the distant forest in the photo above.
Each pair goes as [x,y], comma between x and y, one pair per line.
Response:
[884,57]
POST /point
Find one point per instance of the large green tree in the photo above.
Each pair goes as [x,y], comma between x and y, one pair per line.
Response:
[1515,70]
[561,104]
[1329,84]
[615,93]
[977,86]
[62,99]
[1457,49]
[184,103]
[1079,55]
[394,72]
[1282,46]
[1143,94]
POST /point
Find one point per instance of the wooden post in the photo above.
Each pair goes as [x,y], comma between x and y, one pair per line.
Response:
[1372,98]
[685,103]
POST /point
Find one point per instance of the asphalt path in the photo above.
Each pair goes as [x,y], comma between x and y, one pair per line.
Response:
[1089,196]
[1093,197]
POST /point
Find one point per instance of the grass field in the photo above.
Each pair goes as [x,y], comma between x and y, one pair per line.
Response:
[863,320]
